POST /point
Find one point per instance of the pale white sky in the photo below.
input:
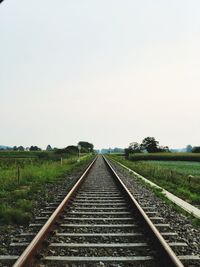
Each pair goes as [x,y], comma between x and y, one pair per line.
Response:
[109,72]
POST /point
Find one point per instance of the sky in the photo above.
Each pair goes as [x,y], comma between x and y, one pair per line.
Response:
[109,72]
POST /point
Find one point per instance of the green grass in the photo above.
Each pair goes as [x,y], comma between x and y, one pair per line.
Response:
[173,176]
[187,168]
[18,199]
[165,156]
[19,154]
[14,215]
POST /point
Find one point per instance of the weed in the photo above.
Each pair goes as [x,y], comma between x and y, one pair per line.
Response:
[196,222]
[17,200]
[13,215]
[24,204]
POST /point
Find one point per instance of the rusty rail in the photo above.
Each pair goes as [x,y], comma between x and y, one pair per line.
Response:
[171,259]
[27,257]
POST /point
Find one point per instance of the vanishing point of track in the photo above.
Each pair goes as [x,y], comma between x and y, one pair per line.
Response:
[98,223]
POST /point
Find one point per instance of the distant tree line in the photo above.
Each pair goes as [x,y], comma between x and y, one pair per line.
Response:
[31,148]
[149,144]
[85,147]
[196,149]
[111,150]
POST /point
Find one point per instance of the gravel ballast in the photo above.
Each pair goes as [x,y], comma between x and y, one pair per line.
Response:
[179,223]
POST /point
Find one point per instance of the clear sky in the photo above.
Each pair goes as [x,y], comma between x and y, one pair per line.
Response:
[109,72]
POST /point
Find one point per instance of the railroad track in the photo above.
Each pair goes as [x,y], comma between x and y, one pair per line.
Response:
[98,223]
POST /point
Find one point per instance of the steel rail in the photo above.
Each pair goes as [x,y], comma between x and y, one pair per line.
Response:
[26,258]
[166,251]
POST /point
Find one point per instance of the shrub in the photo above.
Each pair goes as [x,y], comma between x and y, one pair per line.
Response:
[13,215]
[196,149]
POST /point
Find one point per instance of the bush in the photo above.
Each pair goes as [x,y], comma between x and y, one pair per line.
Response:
[24,204]
[196,149]
[14,215]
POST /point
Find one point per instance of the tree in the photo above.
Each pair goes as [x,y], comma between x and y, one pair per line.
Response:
[35,148]
[86,146]
[49,148]
[188,148]
[67,150]
[196,149]
[163,149]
[150,144]
[20,148]
[71,149]
[135,147]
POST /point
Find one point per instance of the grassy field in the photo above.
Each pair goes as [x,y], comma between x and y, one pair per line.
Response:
[165,156]
[187,168]
[17,196]
[171,175]
[19,154]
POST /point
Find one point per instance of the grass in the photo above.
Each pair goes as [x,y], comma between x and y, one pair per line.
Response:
[20,154]
[17,198]
[165,156]
[187,168]
[173,176]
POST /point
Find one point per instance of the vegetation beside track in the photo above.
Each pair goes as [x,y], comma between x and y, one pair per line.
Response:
[20,154]
[171,175]
[165,156]
[18,196]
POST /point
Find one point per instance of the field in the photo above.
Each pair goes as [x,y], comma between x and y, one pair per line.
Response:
[187,168]
[19,154]
[171,175]
[22,177]
[165,156]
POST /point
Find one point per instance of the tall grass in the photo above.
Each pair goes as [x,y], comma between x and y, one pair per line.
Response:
[17,198]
